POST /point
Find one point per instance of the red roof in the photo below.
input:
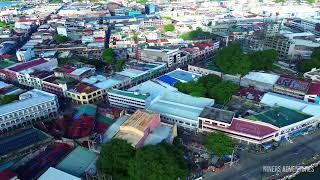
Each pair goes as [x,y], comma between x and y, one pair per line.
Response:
[5,56]
[250,128]
[250,93]
[87,31]
[27,65]
[314,89]
[82,87]
[99,39]
[67,70]
[7,174]
[26,20]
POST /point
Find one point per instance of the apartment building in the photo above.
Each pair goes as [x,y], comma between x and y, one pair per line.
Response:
[32,106]
[170,55]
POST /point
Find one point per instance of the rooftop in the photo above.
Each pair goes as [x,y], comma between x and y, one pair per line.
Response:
[280,116]
[314,89]
[178,75]
[130,94]
[140,120]
[77,162]
[217,114]
[4,63]
[262,77]
[26,65]
[180,105]
[83,88]
[21,139]
[27,99]
[274,99]
[250,128]
[294,84]
[53,174]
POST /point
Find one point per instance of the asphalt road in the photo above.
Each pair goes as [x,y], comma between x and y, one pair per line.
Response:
[251,165]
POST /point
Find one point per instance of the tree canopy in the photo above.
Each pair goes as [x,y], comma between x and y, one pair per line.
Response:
[263,60]
[119,65]
[232,60]
[6,99]
[223,91]
[108,56]
[121,161]
[314,62]
[114,158]
[162,161]
[60,38]
[219,144]
[210,86]
[196,35]
[3,24]
[169,27]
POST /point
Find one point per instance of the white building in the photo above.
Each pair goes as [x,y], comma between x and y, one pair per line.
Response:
[261,81]
[25,54]
[32,106]
[171,56]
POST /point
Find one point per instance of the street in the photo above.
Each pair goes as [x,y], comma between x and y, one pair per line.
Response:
[288,154]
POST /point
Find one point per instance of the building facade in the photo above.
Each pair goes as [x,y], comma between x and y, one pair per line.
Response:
[32,106]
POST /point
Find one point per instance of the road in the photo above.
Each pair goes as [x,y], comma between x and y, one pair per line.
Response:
[250,165]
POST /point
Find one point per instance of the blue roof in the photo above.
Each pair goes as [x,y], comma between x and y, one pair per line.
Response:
[183,75]
[167,79]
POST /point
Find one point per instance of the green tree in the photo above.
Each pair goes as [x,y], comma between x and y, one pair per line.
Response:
[60,38]
[223,91]
[108,56]
[169,27]
[219,144]
[209,81]
[314,62]
[3,24]
[311,1]
[232,60]
[162,161]
[119,65]
[6,99]
[263,60]
[114,158]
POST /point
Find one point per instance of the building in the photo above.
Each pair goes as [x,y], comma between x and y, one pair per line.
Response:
[274,99]
[260,81]
[251,132]
[291,87]
[290,122]
[22,142]
[83,93]
[23,72]
[32,106]
[53,174]
[178,75]
[76,166]
[314,75]
[306,24]
[313,93]
[150,9]
[170,55]
[127,99]
[137,128]
[181,109]
[25,54]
